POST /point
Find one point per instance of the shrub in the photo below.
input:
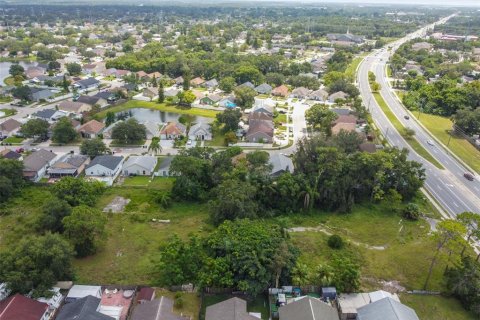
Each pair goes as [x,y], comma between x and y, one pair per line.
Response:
[335,242]
[178,302]
[411,212]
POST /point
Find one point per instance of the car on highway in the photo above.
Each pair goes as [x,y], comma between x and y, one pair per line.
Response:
[469,176]
[430,142]
[406,117]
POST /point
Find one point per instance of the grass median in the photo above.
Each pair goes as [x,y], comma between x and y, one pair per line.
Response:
[400,128]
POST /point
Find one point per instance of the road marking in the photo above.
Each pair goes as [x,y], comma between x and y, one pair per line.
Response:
[455,204]
[439,188]
[476,188]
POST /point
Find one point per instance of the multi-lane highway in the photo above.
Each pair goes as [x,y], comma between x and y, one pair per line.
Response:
[450,189]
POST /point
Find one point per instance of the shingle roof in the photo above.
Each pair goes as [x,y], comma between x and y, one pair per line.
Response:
[70,106]
[92,126]
[82,309]
[308,308]
[9,154]
[166,162]
[158,309]
[231,309]
[108,161]
[386,309]
[44,114]
[87,82]
[10,125]
[281,163]
[91,100]
[173,128]
[147,162]
[38,160]
[18,307]
[264,88]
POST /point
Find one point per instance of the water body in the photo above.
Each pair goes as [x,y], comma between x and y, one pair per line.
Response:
[5,68]
[144,115]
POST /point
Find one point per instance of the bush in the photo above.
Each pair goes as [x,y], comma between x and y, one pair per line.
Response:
[411,212]
[178,302]
[335,242]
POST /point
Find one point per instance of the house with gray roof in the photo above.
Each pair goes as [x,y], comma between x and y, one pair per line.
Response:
[86,84]
[36,164]
[164,167]
[200,131]
[248,84]
[104,166]
[318,95]
[264,88]
[139,166]
[386,309]
[93,100]
[337,95]
[50,115]
[155,310]
[300,93]
[231,309]
[38,94]
[86,308]
[280,164]
[308,308]
[70,165]
[211,84]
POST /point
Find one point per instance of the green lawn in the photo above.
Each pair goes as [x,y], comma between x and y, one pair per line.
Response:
[351,70]
[440,127]
[399,126]
[436,307]
[8,112]
[14,140]
[158,106]
[10,81]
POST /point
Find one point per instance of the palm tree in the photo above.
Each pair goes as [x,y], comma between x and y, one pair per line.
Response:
[155,146]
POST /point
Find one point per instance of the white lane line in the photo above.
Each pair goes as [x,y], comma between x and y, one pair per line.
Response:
[438,187]
[455,204]
[439,199]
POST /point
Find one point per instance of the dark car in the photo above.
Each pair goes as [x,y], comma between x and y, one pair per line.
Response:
[406,117]
[469,176]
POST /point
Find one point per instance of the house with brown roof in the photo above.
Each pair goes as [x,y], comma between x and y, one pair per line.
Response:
[9,127]
[19,307]
[350,127]
[300,93]
[343,118]
[198,81]
[173,130]
[280,91]
[74,107]
[35,165]
[145,294]
[150,92]
[260,132]
[91,129]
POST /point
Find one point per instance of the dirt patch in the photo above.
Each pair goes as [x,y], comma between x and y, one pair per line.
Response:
[117,205]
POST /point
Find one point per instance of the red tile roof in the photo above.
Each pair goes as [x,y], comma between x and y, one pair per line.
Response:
[146,294]
[19,307]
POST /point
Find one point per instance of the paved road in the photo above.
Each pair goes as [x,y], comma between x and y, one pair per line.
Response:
[448,187]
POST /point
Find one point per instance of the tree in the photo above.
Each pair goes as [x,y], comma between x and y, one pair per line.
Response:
[53,212]
[376,87]
[74,69]
[65,84]
[85,228]
[11,178]
[161,93]
[411,211]
[371,77]
[186,98]
[234,199]
[78,191]
[230,119]
[155,146]
[35,128]
[227,84]
[186,81]
[408,133]
[275,79]
[36,263]
[335,242]
[16,70]
[347,141]
[129,132]
[23,93]
[449,234]
[463,281]
[54,65]
[230,137]
[320,116]
[248,73]
[347,274]
[63,131]
[93,148]
[471,221]
[245,96]
[109,118]
[468,121]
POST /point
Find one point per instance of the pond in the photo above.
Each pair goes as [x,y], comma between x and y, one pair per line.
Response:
[5,68]
[144,115]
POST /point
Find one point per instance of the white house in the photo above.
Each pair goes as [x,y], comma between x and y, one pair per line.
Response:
[105,167]
[200,131]
[81,291]
[53,302]
[139,165]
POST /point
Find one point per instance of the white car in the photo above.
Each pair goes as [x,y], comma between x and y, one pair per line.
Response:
[430,142]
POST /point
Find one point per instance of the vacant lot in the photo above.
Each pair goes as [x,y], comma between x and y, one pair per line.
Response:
[436,307]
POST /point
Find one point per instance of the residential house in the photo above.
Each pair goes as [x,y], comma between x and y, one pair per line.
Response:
[280,91]
[33,72]
[104,166]
[173,130]
[49,115]
[346,39]
[79,291]
[164,168]
[84,308]
[350,118]
[263,108]
[153,129]
[211,99]
[280,164]
[264,88]
[69,165]
[178,81]
[87,84]
[341,111]
[89,68]
[349,127]
[91,129]
[142,75]
[260,117]
[18,307]
[145,294]
[260,132]
[300,93]
[234,309]
[307,308]
[197,82]
[211,84]
[35,165]
[386,309]
[171,93]
[53,302]
[157,309]
[117,73]
[11,155]
[227,103]
[247,84]
[318,95]
[93,101]
[368,147]
[150,92]
[340,95]
[200,131]
[349,304]
[38,94]
[139,165]
[9,127]
[74,107]
[109,96]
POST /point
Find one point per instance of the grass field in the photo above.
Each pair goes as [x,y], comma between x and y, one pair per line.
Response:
[436,307]
[10,81]
[13,140]
[439,127]
[399,126]
[7,112]
[157,106]
[351,70]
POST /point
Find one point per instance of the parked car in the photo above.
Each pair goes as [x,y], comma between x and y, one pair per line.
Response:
[469,176]
[406,117]
[430,142]
[20,150]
